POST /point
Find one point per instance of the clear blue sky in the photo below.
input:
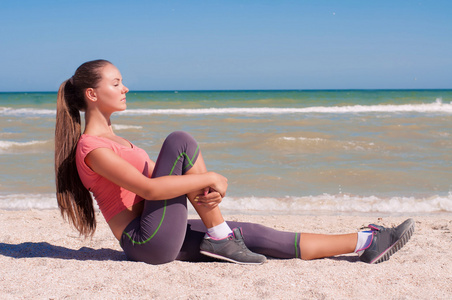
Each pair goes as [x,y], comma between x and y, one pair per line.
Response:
[199,45]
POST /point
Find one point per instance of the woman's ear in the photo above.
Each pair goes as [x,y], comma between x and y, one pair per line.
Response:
[90,94]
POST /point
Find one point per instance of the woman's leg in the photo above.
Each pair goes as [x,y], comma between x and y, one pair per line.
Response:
[377,245]
[314,246]
[274,243]
[189,161]
[220,241]
[157,236]
[210,216]
[258,238]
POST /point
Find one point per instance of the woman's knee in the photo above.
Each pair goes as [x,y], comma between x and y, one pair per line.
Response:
[180,137]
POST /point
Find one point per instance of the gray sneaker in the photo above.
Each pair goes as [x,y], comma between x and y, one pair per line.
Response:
[231,248]
[386,241]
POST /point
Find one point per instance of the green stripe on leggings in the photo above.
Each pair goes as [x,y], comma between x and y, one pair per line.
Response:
[191,163]
[296,245]
[190,160]
[155,232]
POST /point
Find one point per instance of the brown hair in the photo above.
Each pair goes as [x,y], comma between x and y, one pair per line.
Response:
[74,200]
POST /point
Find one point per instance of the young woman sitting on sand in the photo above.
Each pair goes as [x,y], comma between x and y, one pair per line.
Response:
[145,203]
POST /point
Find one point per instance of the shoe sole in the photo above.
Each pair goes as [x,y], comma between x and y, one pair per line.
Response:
[397,245]
[229,259]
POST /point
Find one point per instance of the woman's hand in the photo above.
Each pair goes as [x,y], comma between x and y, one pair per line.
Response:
[210,198]
[220,184]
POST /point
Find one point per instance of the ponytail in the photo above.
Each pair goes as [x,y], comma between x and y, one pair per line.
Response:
[74,200]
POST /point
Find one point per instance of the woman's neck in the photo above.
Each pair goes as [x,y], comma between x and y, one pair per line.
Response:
[97,124]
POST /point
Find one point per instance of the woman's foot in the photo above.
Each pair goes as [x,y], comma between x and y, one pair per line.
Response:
[232,249]
[386,241]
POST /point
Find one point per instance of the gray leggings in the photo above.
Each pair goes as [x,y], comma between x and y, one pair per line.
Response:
[163,234]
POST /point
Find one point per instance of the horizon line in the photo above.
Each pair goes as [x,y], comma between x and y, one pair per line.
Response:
[256,90]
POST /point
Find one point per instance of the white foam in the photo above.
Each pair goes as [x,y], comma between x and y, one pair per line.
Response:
[436,107]
[125,127]
[289,138]
[28,201]
[31,112]
[7,145]
[31,201]
[338,144]
[340,203]
[285,205]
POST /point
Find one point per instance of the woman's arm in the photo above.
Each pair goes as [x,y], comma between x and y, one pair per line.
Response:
[111,166]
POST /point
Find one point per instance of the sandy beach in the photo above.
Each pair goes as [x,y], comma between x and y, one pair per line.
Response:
[42,257]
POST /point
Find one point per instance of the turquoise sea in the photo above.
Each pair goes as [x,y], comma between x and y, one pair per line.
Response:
[384,152]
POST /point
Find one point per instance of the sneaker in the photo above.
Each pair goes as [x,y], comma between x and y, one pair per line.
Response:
[386,241]
[231,248]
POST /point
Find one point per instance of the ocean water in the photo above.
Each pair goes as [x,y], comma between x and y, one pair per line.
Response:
[384,152]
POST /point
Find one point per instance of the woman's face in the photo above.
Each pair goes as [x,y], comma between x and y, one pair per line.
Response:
[111,92]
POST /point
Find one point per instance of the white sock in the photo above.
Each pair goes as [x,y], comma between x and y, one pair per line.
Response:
[364,240]
[219,232]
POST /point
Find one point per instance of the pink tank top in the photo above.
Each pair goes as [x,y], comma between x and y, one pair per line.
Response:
[111,198]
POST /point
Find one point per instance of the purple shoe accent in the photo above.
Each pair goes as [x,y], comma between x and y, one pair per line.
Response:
[360,251]
[374,227]
[215,239]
